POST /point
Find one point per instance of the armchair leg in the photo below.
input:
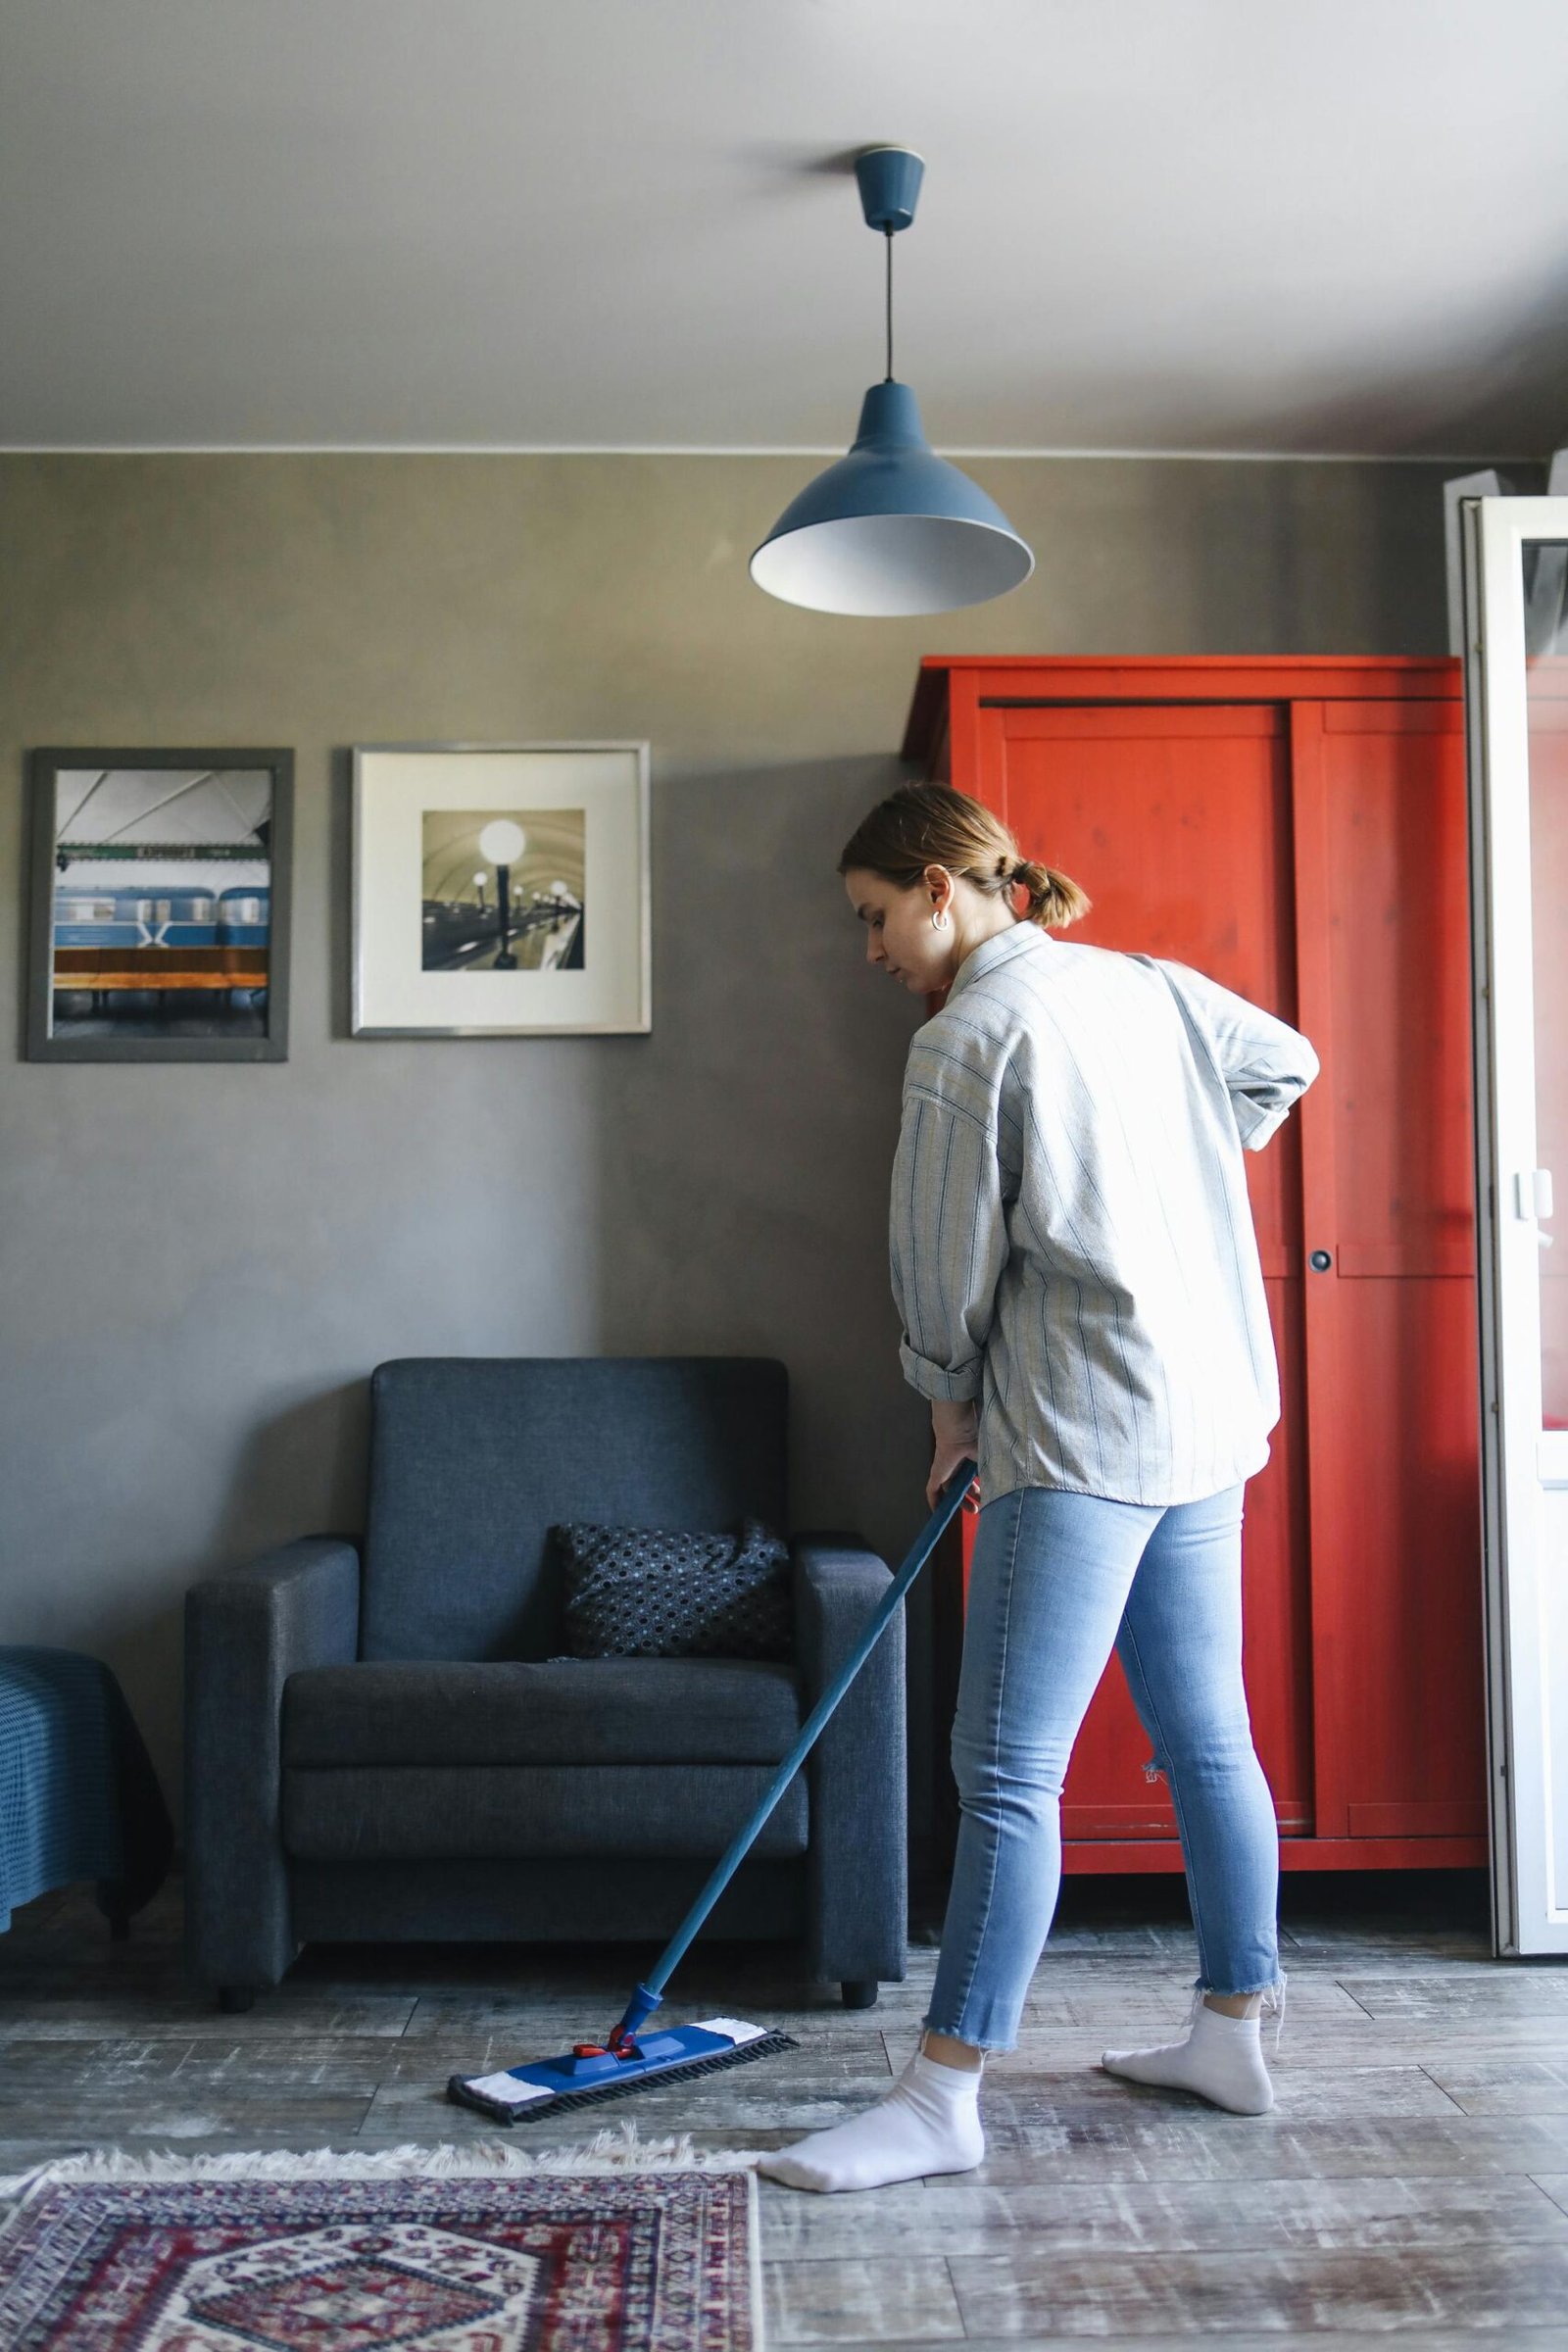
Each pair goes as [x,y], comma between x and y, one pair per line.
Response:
[235,1999]
[860,1992]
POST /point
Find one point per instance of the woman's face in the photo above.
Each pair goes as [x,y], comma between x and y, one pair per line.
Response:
[900,937]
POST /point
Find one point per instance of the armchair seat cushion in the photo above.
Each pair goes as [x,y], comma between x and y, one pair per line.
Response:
[590,1711]
[431,1812]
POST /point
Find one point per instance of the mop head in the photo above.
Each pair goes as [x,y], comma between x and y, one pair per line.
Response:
[583,2075]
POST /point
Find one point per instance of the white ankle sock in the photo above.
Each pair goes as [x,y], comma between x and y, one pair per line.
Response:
[1221,2059]
[929,2121]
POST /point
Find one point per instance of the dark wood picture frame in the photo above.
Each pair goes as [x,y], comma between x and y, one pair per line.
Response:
[44,1043]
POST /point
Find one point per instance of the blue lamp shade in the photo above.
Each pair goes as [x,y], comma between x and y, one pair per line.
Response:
[892,528]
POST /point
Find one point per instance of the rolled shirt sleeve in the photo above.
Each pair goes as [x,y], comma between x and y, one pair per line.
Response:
[1266,1065]
[949,1243]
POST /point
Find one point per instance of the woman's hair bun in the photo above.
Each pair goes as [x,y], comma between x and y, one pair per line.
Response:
[1054,898]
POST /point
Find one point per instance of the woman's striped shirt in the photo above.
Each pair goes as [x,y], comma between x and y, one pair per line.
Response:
[1072,1242]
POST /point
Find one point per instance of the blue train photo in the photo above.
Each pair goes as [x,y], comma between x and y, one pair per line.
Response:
[163,903]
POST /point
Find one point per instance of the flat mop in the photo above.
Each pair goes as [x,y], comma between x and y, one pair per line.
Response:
[591,2070]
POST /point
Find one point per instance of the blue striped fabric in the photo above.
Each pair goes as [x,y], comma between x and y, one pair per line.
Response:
[77,1796]
[1071,1237]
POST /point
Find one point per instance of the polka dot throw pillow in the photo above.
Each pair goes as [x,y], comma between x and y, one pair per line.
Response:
[658,1592]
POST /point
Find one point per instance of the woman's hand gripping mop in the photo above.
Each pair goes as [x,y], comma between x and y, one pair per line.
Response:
[590,2070]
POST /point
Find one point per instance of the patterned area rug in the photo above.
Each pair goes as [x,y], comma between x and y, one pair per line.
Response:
[619,2246]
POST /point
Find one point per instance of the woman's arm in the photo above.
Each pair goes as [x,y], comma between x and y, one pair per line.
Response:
[1265,1063]
[949,1243]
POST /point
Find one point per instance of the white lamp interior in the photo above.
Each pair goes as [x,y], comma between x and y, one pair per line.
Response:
[891,565]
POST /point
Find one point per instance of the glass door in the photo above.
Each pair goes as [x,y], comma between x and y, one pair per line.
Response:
[1516,694]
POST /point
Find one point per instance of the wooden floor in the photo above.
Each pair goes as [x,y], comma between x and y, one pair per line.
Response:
[1413,2178]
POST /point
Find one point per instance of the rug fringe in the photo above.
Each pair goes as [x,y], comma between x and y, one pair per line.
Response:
[621,2150]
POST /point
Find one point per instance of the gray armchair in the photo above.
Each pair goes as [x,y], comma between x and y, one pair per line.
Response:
[381,1747]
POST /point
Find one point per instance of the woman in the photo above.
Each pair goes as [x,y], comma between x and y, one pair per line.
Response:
[1077,1273]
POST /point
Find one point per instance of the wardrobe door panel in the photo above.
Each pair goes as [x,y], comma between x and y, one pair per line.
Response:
[1176,819]
[1391,1321]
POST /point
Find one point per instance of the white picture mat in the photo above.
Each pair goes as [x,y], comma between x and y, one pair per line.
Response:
[394,785]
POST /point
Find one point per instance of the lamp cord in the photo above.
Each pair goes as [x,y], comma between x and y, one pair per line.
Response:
[888,237]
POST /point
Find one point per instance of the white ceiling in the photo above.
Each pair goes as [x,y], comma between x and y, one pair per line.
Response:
[1308,226]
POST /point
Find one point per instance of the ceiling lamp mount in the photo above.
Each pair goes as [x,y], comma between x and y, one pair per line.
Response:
[892,529]
[889,181]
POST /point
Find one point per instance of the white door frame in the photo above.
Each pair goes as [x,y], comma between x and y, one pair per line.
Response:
[1523,1467]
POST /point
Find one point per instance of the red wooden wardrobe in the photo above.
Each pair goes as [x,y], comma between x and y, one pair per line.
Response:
[1296,830]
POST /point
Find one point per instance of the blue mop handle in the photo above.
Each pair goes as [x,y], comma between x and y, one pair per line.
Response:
[648,1996]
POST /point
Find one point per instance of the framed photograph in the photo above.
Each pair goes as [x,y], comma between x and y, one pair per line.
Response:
[501,890]
[159,904]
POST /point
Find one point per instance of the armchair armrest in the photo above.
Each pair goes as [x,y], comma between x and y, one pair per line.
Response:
[247,1630]
[857,1775]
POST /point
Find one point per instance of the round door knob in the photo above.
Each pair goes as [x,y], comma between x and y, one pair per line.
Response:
[1320,1262]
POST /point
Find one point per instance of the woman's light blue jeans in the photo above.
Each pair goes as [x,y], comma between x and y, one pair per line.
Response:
[1056,1581]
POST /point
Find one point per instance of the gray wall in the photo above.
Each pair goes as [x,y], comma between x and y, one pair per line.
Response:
[198,1265]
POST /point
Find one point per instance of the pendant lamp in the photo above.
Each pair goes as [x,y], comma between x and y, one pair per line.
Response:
[892,528]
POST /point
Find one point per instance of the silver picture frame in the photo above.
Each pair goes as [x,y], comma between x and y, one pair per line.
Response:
[616,997]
